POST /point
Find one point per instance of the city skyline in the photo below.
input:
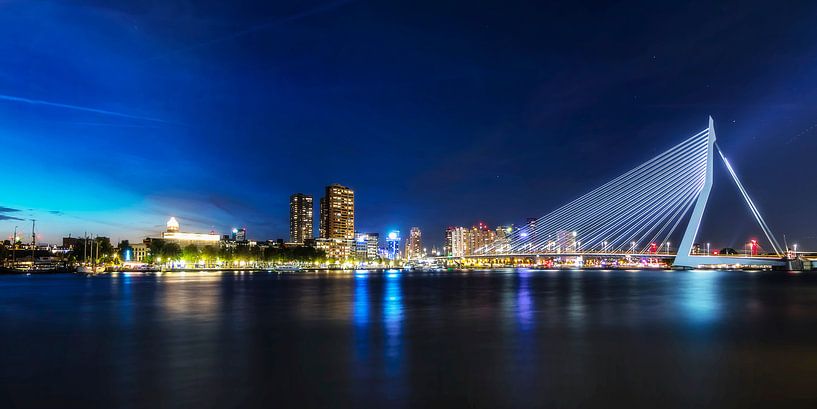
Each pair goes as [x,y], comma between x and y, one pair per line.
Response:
[201,116]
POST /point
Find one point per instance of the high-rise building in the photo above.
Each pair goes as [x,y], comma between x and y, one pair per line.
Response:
[414,247]
[300,218]
[565,241]
[458,241]
[393,245]
[502,245]
[481,239]
[321,218]
[338,213]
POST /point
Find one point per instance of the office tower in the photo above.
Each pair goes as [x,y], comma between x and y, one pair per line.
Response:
[393,245]
[300,218]
[414,247]
[338,213]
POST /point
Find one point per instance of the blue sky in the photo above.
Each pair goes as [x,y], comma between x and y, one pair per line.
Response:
[116,115]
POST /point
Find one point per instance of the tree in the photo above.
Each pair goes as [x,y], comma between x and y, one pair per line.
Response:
[209,253]
[171,251]
[191,253]
[157,248]
[125,250]
[105,247]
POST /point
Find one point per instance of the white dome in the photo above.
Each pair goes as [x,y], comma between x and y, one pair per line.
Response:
[172,224]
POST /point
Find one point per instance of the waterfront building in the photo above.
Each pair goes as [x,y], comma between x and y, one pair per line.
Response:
[366,245]
[174,234]
[566,241]
[481,238]
[239,235]
[414,247]
[336,249]
[393,245]
[502,244]
[458,241]
[140,252]
[447,245]
[337,218]
[300,218]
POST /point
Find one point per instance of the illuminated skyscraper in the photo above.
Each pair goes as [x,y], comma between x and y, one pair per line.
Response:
[482,238]
[393,245]
[565,241]
[414,247]
[457,241]
[300,218]
[338,213]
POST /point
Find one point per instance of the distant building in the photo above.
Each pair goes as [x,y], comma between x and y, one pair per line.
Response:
[182,239]
[239,235]
[458,241]
[414,247]
[565,241]
[502,245]
[336,249]
[482,239]
[140,252]
[338,213]
[300,218]
[366,245]
[393,245]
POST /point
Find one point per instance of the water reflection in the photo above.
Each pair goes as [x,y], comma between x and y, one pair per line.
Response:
[396,339]
[361,300]
[393,319]
[699,296]
[524,302]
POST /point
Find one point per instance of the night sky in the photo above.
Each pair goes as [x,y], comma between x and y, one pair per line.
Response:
[115,117]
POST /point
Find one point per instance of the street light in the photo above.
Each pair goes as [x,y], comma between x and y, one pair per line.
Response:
[707,249]
[633,246]
[668,248]
[795,250]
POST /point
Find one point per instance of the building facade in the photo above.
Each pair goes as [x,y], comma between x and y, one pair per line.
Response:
[414,246]
[338,213]
[366,245]
[173,234]
[336,249]
[393,245]
[300,218]
[458,241]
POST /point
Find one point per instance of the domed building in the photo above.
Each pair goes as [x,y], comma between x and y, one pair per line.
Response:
[174,234]
[172,225]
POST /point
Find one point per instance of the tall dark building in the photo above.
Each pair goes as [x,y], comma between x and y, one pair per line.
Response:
[300,218]
[338,213]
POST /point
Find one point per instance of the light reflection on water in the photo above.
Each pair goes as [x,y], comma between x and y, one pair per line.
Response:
[510,338]
[700,297]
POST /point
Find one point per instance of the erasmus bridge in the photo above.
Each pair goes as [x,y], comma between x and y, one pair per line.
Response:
[636,214]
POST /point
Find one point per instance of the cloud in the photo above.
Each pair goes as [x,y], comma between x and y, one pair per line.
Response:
[8,210]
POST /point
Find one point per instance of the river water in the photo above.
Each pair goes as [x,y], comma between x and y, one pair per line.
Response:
[478,339]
